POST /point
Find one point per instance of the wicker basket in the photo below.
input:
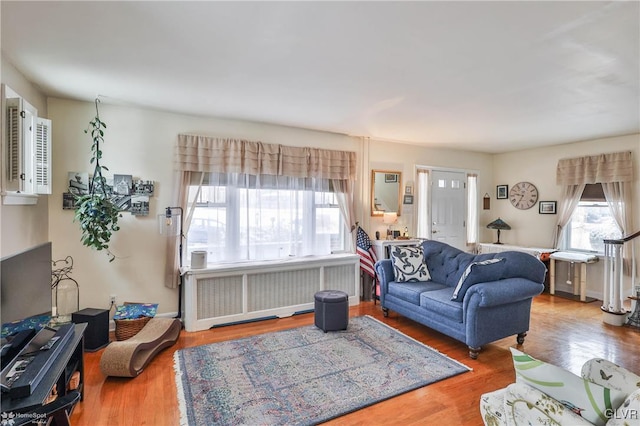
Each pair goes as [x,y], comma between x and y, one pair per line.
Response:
[127,328]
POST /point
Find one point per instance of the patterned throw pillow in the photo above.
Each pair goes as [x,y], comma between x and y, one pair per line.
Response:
[135,310]
[478,272]
[408,264]
[590,400]
[36,322]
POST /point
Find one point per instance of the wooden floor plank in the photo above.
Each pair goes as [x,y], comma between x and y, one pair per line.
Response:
[563,332]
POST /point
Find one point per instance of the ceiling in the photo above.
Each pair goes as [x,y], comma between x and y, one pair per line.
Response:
[482,76]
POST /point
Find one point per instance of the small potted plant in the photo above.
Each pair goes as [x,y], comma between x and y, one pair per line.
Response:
[95,211]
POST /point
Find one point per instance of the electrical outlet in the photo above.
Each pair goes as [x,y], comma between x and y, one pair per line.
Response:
[112,300]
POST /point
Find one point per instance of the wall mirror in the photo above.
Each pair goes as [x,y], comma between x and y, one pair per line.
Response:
[385,192]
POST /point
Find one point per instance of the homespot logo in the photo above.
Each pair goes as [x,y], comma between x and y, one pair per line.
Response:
[9,419]
[622,414]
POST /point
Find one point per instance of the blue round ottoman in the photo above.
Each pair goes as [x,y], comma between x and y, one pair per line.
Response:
[331,310]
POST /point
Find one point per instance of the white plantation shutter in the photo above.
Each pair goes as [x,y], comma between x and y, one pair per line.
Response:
[43,156]
[14,147]
[26,168]
[28,114]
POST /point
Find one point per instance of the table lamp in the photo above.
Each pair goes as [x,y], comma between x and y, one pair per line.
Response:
[498,224]
[389,218]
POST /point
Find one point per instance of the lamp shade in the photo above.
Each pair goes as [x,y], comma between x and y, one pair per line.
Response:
[390,218]
[499,224]
[169,226]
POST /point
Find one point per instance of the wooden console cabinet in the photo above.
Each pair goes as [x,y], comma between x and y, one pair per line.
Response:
[68,361]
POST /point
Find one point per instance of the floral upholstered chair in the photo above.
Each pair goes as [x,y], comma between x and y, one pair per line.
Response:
[544,394]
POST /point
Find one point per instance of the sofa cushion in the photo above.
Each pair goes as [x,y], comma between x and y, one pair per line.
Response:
[478,272]
[410,291]
[590,400]
[439,302]
[408,264]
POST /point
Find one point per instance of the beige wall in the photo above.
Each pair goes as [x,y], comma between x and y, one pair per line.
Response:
[139,142]
[22,227]
[405,158]
[538,166]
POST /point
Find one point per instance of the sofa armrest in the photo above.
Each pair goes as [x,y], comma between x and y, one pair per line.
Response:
[502,292]
[628,413]
[606,373]
[492,408]
[384,271]
[524,405]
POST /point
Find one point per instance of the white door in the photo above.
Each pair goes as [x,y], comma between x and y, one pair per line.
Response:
[448,208]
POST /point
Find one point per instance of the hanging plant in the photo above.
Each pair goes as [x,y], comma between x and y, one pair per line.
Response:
[95,211]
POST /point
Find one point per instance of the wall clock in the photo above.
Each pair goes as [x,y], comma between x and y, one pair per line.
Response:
[523,195]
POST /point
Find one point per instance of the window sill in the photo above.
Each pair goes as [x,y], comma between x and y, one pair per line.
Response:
[19,199]
[262,264]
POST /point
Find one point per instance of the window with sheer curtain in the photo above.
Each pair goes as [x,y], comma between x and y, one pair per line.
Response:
[239,217]
[596,199]
[592,222]
[248,200]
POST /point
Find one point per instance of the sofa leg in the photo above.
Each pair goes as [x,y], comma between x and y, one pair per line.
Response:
[385,312]
[473,352]
[520,338]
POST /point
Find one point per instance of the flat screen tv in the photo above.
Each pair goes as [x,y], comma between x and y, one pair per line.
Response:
[26,283]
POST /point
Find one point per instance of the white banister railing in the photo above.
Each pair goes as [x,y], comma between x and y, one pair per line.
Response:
[613,294]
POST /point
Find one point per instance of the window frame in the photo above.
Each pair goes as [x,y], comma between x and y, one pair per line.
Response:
[233,206]
[586,201]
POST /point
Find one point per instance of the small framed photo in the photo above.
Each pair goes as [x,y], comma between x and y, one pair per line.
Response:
[68,201]
[390,177]
[547,207]
[408,199]
[502,192]
[408,190]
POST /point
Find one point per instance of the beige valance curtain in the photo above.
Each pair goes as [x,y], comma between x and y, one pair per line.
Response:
[196,153]
[603,168]
[614,172]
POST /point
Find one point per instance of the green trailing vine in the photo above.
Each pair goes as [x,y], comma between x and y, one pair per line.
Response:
[95,211]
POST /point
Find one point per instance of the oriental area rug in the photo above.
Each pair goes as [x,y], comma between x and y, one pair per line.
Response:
[303,375]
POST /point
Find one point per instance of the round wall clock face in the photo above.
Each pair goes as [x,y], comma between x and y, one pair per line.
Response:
[523,195]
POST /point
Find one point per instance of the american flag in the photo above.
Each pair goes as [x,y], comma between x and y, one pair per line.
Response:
[367,255]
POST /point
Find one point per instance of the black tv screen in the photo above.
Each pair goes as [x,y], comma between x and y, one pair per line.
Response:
[26,283]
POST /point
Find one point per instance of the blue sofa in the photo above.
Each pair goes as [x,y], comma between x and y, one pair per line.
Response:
[493,298]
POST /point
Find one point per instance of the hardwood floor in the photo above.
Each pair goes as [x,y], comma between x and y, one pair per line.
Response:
[563,332]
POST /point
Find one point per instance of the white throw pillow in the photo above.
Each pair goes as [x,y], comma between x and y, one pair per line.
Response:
[409,265]
[590,400]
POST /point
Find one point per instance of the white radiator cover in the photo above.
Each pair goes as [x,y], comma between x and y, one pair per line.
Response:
[241,292]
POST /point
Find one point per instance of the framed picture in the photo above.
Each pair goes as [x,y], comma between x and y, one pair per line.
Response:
[68,201]
[407,190]
[408,199]
[502,192]
[547,207]
[390,177]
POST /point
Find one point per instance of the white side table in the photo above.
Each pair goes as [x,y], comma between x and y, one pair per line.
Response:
[381,247]
[575,259]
